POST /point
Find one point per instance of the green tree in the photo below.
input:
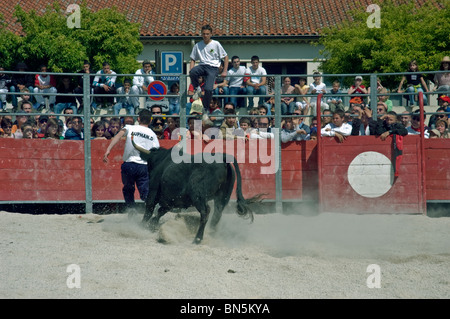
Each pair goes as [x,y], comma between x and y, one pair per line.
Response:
[9,44]
[406,32]
[104,35]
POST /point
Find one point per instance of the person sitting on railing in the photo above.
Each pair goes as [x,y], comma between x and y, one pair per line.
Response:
[385,99]
[358,88]
[20,81]
[79,89]
[317,87]
[338,127]
[414,129]
[236,84]
[174,99]
[302,88]
[141,81]
[335,99]
[256,81]
[415,83]
[44,84]
[444,101]
[5,82]
[124,101]
[105,83]
[288,102]
[442,80]
[65,101]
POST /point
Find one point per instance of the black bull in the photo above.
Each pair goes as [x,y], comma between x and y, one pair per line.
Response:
[189,184]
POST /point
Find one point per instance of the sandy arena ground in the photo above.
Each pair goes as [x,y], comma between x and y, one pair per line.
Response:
[278,256]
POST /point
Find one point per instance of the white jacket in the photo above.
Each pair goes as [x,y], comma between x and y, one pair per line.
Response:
[139,80]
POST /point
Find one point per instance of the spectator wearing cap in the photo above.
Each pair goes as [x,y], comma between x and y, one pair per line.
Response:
[358,87]
[142,79]
[444,101]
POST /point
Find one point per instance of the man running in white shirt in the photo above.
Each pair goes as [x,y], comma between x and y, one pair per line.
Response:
[210,53]
[134,169]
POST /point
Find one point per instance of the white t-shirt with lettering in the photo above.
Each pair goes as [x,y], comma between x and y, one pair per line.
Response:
[142,136]
[210,54]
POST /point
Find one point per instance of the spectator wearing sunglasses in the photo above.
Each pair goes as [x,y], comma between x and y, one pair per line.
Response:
[435,117]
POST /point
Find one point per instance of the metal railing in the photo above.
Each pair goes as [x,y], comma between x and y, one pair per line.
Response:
[87,95]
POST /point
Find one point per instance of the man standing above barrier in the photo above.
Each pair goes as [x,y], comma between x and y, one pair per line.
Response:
[210,53]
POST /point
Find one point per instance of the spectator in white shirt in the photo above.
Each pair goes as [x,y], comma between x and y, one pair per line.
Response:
[256,82]
[317,87]
[141,81]
[338,127]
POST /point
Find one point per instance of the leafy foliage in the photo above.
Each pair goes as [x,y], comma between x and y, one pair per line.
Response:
[406,32]
[105,35]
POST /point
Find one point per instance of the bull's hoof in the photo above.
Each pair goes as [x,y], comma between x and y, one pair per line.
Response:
[197,241]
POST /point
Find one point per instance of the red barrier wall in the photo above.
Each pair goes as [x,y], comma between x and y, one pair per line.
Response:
[405,195]
[51,170]
[437,173]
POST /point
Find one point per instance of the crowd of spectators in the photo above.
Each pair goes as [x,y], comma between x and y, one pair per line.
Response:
[298,103]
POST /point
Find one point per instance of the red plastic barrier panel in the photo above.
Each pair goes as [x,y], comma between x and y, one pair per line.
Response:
[357,176]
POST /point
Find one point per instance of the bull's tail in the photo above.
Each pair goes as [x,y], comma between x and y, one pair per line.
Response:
[244,205]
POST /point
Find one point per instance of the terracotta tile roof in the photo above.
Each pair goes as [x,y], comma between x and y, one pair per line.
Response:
[230,18]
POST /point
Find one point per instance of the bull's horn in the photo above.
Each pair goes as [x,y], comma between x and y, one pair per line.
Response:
[140,149]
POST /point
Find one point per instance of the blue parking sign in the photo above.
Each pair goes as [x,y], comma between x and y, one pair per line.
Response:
[171,62]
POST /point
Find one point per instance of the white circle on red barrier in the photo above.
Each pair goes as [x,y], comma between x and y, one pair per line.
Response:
[371,174]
